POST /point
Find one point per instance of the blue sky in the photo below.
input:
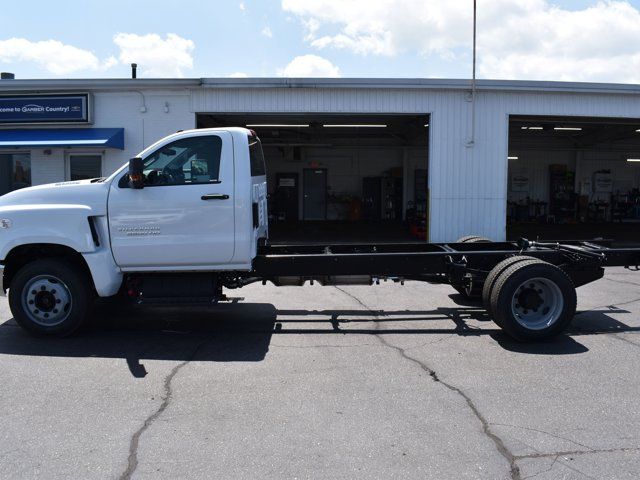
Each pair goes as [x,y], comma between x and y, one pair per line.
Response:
[534,39]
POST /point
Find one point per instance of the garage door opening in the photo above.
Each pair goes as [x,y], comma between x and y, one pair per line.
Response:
[574,178]
[341,178]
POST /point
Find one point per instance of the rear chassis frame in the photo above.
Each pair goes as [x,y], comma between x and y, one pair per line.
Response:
[452,263]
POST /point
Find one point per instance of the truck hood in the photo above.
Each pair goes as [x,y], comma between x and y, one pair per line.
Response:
[87,193]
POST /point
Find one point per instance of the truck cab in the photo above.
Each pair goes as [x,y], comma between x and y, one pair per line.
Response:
[199,206]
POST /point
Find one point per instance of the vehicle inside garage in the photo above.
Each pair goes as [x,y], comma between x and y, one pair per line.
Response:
[341,178]
[574,178]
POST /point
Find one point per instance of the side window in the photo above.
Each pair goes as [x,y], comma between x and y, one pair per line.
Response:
[192,160]
[256,157]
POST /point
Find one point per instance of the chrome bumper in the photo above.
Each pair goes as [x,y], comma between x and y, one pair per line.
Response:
[2,294]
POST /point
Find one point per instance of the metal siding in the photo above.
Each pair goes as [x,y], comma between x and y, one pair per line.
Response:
[468,185]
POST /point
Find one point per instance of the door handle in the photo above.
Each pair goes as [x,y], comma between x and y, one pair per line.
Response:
[215,196]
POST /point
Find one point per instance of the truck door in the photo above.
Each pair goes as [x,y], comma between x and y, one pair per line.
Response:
[184,215]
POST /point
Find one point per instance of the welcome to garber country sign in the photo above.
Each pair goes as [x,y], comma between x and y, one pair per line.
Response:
[44,109]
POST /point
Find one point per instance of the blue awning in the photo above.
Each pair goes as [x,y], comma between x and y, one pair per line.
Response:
[63,137]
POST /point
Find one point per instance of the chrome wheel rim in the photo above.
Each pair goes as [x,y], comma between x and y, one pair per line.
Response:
[537,303]
[46,300]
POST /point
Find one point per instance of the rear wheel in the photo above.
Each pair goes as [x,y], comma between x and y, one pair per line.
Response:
[473,239]
[490,281]
[533,300]
[470,290]
[50,297]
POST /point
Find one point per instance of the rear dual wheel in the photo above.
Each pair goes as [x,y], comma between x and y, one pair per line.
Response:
[530,299]
[470,290]
[473,239]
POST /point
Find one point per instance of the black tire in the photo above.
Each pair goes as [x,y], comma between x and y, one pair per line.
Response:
[493,276]
[476,291]
[473,239]
[527,286]
[59,288]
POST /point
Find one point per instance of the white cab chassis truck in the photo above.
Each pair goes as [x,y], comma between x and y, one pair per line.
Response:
[188,216]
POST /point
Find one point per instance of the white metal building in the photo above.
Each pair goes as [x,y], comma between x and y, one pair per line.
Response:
[355,129]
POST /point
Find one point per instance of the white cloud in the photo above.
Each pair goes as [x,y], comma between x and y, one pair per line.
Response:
[527,39]
[242,7]
[266,31]
[381,27]
[238,75]
[540,41]
[52,55]
[310,66]
[156,57]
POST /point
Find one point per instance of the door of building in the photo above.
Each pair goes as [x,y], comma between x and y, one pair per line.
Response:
[315,194]
[371,198]
[286,197]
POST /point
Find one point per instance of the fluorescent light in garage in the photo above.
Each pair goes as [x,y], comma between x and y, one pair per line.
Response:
[638,130]
[570,129]
[633,159]
[367,125]
[531,128]
[512,158]
[276,125]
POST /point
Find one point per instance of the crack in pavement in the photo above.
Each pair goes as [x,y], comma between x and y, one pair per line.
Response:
[618,336]
[304,347]
[622,281]
[609,305]
[132,460]
[548,469]
[578,452]
[486,429]
[559,437]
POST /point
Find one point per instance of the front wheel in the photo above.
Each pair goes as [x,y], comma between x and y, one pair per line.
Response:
[50,297]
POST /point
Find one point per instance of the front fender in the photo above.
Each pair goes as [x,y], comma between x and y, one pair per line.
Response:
[56,224]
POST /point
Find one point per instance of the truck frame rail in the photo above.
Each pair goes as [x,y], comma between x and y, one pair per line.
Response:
[417,260]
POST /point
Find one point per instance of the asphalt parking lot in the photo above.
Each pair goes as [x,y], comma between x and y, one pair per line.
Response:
[325,382]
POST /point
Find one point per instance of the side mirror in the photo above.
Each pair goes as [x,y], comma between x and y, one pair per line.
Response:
[136,177]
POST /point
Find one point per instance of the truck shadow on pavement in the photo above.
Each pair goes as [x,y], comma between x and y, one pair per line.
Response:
[243,332]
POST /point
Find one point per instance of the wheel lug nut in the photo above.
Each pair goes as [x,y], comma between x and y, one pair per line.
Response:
[30,302]
[33,292]
[36,311]
[46,315]
[43,288]
[55,310]
[57,300]
[53,292]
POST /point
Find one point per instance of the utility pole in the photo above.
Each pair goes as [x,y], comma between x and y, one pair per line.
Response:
[471,141]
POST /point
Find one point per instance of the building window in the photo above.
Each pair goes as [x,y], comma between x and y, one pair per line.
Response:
[15,171]
[84,167]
